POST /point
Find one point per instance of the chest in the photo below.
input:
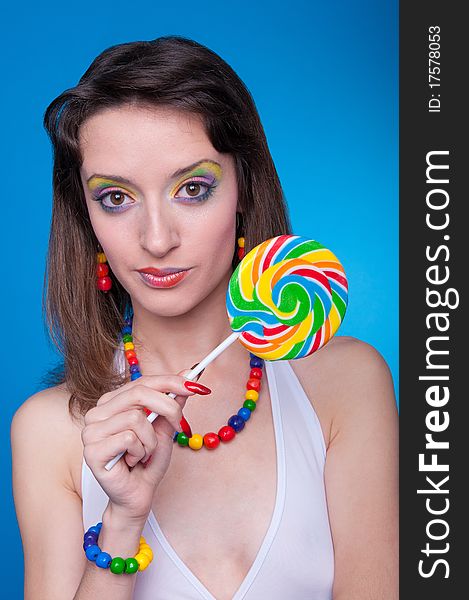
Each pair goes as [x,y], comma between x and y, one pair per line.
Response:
[215,507]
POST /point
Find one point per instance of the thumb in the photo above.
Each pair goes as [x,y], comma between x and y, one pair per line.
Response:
[185,372]
[180,399]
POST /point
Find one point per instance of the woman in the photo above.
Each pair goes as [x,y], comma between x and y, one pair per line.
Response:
[161,163]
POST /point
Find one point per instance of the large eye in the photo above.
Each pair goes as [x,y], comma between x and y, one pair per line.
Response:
[114,200]
[195,190]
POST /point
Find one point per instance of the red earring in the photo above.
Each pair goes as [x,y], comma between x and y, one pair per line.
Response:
[103,281]
[239,230]
[240,248]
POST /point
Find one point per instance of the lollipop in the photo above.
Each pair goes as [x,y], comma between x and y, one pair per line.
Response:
[285,300]
[287,297]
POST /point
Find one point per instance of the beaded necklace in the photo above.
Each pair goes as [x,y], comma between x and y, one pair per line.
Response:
[235,423]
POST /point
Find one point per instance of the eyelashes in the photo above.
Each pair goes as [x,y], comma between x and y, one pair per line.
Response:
[197,199]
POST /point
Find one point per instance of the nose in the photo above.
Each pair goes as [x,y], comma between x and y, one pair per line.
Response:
[158,234]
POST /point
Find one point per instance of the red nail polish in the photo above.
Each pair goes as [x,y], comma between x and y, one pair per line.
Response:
[186,428]
[198,388]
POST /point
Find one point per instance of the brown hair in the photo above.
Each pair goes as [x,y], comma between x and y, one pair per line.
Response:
[170,71]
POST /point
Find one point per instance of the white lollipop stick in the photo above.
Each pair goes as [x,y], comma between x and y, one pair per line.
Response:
[190,376]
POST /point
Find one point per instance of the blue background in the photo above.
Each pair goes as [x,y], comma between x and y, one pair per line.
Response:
[324,77]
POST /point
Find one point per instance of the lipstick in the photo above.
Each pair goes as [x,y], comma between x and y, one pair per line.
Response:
[163,278]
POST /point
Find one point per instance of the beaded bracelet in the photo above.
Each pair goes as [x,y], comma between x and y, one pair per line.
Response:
[93,552]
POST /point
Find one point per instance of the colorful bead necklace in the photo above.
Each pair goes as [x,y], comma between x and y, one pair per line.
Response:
[235,423]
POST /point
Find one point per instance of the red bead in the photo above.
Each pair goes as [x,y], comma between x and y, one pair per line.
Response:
[240,253]
[104,284]
[255,373]
[211,440]
[147,411]
[132,360]
[102,269]
[130,354]
[186,428]
[253,384]
[226,433]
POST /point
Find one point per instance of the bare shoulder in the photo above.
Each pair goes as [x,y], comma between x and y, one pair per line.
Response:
[44,425]
[346,380]
[44,440]
[351,389]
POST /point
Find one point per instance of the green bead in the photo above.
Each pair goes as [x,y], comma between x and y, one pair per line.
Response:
[250,404]
[117,565]
[127,338]
[131,565]
[182,439]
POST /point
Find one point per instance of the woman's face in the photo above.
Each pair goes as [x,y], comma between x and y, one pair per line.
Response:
[176,208]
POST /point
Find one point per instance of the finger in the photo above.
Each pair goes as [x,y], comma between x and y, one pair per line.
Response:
[141,397]
[97,455]
[133,419]
[160,383]
[181,399]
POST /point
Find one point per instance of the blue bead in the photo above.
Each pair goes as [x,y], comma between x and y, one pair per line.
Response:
[134,369]
[88,543]
[103,560]
[92,552]
[94,529]
[236,422]
[175,436]
[135,376]
[244,413]
[126,329]
[93,537]
[99,525]
[256,362]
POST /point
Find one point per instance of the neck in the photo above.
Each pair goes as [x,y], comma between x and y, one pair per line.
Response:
[172,344]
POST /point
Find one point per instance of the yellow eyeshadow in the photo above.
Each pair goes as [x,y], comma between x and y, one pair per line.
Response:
[200,171]
[100,182]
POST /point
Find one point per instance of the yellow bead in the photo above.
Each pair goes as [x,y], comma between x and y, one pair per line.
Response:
[241,242]
[142,540]
[143,561]
[196,441]
[147,551]
[144,545]
[252,395]
[101,257]
[128,346]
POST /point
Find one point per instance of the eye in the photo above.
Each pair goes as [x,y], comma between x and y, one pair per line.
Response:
[114,200]
[197,190]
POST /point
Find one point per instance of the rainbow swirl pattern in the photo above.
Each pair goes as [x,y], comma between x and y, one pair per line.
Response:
[288,297]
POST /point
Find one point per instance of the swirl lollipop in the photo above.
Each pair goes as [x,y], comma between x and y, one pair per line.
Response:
[287,297]
[285,300]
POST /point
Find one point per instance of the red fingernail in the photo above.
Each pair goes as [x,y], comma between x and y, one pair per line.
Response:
[186,428]
[198,388]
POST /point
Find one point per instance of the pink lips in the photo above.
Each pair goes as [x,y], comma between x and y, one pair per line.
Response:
[162,278]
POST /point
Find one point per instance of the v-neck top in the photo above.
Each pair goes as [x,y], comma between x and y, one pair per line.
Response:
[296,558]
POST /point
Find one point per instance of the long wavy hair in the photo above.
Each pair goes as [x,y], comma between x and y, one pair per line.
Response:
[169,71]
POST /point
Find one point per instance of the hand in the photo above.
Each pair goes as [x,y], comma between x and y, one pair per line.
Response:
[118,422]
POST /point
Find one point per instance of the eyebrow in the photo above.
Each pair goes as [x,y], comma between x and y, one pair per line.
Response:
[175,174]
